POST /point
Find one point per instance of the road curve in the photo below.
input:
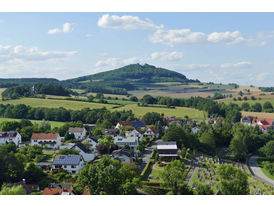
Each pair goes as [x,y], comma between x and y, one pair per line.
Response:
[256,170]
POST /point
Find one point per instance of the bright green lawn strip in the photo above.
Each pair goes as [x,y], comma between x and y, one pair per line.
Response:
[265,171]
[178,111]
[54,103]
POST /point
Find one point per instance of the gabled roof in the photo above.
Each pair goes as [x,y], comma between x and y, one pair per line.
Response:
[122,152]
[76,129]
[125,123]
[153,130]
[138,124]
[42,136]
[67,159]
[55,191]
[82,147]
[10,134]
[263,121]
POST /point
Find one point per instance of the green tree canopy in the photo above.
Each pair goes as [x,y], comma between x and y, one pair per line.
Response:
[232,181]
[109,177]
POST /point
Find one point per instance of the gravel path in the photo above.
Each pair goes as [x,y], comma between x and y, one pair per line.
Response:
[253,165]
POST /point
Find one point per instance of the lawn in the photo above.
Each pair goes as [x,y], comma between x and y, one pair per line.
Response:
[258,114]
[265,171]
[178,111]
[76,105]
[54,103]
[52,123]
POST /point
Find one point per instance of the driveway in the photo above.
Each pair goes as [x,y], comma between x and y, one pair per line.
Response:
[146,155]
[256,170]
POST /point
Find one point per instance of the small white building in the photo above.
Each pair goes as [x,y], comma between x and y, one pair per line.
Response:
[84,151]
[11,136]
[134,133]
[151,132]
[195,130]
[92,141]
[121,141]
[79,132]
[51,140]
[73,164]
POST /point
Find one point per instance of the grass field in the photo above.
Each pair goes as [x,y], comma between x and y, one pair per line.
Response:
[54,103]
[258,114]
[178,111]
[52,123]
[138,111]
[250,102]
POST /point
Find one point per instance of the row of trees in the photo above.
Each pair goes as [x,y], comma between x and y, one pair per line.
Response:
[231,112]
[257,107]
[32,90]
[86,115]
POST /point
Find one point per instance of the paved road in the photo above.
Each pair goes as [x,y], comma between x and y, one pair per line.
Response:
[196,168]
[146,155]
[252,163]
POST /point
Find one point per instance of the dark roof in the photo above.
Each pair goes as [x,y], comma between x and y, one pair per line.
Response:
[10,134]
[67,160]
[82,147]
[167,143]
[122,151]
[138,124]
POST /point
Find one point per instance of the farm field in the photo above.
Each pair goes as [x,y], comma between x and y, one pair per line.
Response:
[53,103]
[109,95]
[251,102]
[76,105]
[52,123]
[178,111]
[258,114]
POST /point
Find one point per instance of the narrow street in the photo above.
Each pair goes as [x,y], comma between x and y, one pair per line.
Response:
[252,163]
[196,168]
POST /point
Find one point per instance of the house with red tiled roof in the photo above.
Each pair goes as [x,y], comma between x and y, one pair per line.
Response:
[11,136]
[51,140]
[264,124]
[151,132]
[57,191]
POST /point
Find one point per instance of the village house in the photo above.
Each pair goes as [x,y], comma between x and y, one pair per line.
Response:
[93,141]
[58,189]
[247,121]
[28,188]
[73,164]
[135,133]
[151,132]
[79,132]
[264,124]
[110,132]
[135,124]
[51,140]
[11,136]
[121,141]
[84,151]
[123,155]
[195,130]
[167,149]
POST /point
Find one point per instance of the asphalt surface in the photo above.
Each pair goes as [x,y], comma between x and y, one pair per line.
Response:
[147,153]
[196,168]
[253,165]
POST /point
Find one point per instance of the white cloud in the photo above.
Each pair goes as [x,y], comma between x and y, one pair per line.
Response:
[66,28]
[186,36]
[197,66]
[126,22]
[178,36]
[116,62]
[226,37]
[236,65]
[167,56]
[19,52]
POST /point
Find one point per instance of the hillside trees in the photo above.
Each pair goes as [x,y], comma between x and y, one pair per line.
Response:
[232,181]
[109,177]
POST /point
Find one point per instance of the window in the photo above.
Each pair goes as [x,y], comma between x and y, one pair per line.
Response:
[65,166]
[73,166]
[73,172]
[35,140]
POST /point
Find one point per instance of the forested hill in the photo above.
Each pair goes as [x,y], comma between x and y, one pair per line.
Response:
[134,72]
[11,82]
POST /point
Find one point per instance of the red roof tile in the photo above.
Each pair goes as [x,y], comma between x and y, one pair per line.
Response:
[50,136]
[54,191]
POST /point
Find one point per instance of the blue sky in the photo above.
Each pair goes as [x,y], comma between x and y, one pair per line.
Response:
[218,47]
